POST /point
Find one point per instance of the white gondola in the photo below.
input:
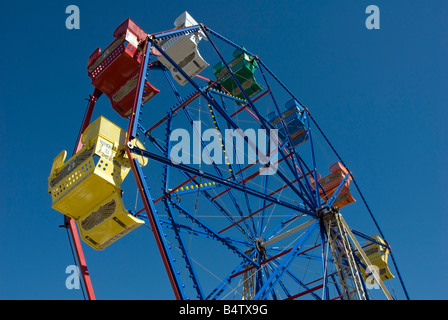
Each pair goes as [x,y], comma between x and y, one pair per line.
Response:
[184,51]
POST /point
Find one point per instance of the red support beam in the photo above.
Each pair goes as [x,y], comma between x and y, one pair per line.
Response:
[72,223]
[245,106]
[255,212]
[272,258]
[305,292]
[259,210]
[174,189]
[184,104]
[82,264]
[253,175]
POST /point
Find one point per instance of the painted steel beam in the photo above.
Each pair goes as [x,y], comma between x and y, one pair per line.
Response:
[141,183]
[277,274]
[217,179]
[70,223]
[223,112]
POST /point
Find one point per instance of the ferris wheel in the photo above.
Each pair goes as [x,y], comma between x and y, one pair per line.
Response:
[242,190]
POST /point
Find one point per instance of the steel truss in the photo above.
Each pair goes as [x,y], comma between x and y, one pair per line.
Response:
[271,230]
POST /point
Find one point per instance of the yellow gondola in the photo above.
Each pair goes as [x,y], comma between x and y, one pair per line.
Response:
[88,184]
[378,256]
[107,222]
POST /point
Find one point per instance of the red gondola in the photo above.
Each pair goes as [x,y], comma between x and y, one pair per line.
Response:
[115,71]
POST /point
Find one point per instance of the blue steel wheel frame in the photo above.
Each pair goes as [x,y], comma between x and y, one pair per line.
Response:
[225,230]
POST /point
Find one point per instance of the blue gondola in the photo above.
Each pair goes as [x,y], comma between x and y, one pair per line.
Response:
[295,122]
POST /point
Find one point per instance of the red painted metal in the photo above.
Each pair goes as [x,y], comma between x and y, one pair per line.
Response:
[203,78]
[87,117]
[115,71]
[183,104]
[81,259]
[259,210]
[331,182]
[305,292]
[270,259]
[252,176]
[70,222]
[174,189]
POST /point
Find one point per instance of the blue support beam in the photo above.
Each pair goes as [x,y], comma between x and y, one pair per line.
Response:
[134,117]
[215,293]
[217,179]
[188,176]
[224,240]
[338,190]
[266,127]
[157,230]
[311,201]
[307,188]
[175,33]
[283,266]
[227,117]
[172,217]
[141,182]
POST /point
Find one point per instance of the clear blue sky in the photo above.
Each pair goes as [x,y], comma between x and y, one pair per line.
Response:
[380,95]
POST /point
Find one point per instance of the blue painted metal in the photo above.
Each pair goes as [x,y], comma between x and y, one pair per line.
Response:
[359,264]
[336,285]
[260,62]
[141,182]
[281,225]
[362,235]
[217,179]
[219,173]
[262,120]
[263,212]
[224,114]
[157,230]
[188,176]
[172,217]
[175,33]
[192,190]
[297,280]
[219,36]
[308,189]
[274,278]
[230,193]
[310,196]
[338,190]
[325,248]
[134,117]
[167,75]
[246,194]
[224,240]
[200,232]
[227,96]
[215,293]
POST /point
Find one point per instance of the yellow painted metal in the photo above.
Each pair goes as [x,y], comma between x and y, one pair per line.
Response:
[91,177]
[107,222]
[110,142]
[378,256]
